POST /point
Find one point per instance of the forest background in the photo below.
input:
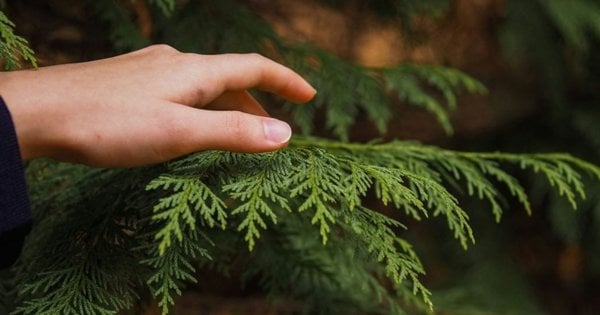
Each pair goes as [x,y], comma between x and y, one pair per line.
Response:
[540,65]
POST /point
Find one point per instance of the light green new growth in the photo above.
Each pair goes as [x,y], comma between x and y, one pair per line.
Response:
[316,184]
[192,197]
[13,48]
[256,193]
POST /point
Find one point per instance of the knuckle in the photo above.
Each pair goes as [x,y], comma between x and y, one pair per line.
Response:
[258,58]
[255,55]
[162,48]
[197,96]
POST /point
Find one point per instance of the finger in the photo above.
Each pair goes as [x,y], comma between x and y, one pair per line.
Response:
[241,132]
[237,72]
[191,130]
[240,101]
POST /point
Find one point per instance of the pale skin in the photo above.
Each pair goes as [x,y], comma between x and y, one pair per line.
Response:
[149,106]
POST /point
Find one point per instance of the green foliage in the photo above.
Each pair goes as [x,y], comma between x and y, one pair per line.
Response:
[151,238]
[405,81]
[334,78]
[123,33]
[577,21]
[491,270]
[258,193]
[402,10]
[345,90]
[217,26]
[166,6]
[167,281]
[553,38]
[13,47]
[178,209]
[316,184]
[78,269]
[291,261]
[556,42]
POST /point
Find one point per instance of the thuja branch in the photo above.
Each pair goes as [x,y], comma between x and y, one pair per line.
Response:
[561,170]
[320,186]
[331,179]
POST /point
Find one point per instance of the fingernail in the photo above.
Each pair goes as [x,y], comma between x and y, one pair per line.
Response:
[313,92]
[277,131]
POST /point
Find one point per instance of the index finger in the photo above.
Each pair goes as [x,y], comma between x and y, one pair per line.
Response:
[237,72]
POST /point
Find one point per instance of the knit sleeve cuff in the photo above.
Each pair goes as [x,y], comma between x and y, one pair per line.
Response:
[15,214]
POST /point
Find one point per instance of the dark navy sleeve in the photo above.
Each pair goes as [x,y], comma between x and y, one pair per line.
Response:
[15,214]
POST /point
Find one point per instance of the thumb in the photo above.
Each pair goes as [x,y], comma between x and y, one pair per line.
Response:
[239,132]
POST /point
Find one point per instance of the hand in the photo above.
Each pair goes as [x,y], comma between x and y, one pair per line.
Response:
[148,106]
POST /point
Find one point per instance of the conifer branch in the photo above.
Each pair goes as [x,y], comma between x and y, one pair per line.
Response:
[124,34]
[191,198]
[316,183]
[173,267]
[79,269]
[401,262]
[346,90]
[166,6]
[259,193]
[319,183]
[405,81]
[12,46]
[560,170]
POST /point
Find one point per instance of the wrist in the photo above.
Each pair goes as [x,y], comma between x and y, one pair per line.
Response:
[15,89]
